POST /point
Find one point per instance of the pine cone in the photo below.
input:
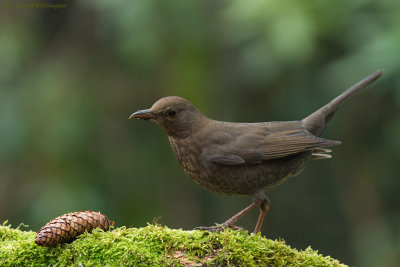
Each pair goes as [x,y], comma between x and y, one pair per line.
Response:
[67,227]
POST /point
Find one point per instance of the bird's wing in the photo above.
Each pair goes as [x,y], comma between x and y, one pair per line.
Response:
[292,142]
[253,148]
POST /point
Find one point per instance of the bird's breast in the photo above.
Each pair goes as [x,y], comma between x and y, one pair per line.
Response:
[240,179]
[188,155]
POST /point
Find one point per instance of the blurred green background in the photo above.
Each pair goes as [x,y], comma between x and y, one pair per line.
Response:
[70,78]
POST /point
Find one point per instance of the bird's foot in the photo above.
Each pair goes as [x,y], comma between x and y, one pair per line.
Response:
[219,228]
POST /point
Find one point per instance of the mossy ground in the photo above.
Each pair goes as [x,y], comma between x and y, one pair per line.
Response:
[155,245]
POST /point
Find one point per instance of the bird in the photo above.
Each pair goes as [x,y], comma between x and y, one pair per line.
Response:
[236,158]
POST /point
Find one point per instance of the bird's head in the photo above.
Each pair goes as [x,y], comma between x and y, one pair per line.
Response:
[175,115]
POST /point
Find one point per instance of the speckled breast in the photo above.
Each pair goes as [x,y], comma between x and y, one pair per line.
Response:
[235,180]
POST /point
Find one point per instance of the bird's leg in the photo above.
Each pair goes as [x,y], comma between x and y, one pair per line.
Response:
[230,222]
[264,207]
[259,199]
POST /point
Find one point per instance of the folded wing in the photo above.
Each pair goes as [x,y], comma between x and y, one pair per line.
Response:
[250,148]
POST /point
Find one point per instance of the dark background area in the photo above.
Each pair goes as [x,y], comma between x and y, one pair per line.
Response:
[70,78]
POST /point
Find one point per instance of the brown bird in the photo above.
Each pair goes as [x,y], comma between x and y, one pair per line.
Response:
[243,158]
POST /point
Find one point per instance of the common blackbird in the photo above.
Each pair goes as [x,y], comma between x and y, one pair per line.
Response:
[243,158]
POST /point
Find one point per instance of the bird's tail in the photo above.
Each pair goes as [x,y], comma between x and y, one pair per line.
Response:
[315,123]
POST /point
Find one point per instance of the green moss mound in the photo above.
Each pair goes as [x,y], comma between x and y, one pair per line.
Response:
[156,245]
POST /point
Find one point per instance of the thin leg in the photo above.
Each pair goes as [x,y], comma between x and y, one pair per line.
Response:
[230,222]
[264,208]
[259,199]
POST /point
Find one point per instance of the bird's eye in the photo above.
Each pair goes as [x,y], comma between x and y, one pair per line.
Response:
[171,113]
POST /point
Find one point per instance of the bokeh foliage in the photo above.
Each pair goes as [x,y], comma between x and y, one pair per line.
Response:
[70,78]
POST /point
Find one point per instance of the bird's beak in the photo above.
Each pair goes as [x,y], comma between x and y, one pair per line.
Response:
[144,114]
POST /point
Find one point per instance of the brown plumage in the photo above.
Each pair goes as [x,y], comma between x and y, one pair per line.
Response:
[243,158]
[67,227]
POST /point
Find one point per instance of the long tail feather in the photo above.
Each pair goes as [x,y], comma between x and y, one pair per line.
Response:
[316,122]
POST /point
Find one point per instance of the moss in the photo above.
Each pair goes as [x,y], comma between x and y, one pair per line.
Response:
[156,245]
